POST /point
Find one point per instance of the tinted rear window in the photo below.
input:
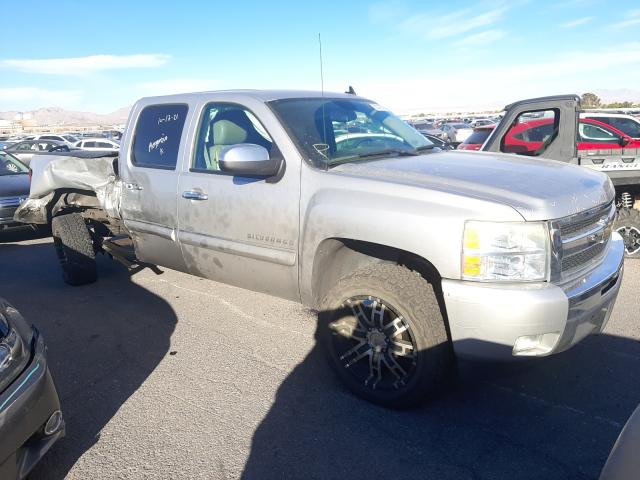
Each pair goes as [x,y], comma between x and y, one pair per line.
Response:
[157,136]
[478,136]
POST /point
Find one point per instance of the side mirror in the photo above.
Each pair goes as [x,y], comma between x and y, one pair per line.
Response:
[248,159]
[624,141]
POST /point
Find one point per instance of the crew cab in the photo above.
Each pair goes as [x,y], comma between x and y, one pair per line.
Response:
[410,255]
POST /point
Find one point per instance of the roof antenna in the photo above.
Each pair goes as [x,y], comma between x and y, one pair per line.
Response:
[351,91]
[322,148]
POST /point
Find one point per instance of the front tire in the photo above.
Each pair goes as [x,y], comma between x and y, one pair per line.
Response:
[74,248]
[627,224]
[385,335]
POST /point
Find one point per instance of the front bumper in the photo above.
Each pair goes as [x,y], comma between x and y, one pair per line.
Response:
[490,320]
[25,407]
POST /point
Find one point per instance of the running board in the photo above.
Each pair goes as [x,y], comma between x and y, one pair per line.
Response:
[120,248]
[122,253]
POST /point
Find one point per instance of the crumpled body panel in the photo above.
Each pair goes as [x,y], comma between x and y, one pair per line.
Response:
[52,173]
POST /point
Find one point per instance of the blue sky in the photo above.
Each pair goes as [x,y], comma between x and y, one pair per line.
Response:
[408,55]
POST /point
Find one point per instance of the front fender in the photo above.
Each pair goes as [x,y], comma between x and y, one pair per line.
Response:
[430,228]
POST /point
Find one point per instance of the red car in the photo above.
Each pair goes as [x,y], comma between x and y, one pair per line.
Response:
[592,135]
[530,136]
[477,138]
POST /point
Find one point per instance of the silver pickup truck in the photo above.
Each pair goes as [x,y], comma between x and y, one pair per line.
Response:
[411,255]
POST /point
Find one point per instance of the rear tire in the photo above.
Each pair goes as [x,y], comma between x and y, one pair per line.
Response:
[385,335]
[74,248]
[627,224]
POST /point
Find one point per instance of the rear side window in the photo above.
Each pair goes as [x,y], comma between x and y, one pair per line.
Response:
[626,125]
[157,137]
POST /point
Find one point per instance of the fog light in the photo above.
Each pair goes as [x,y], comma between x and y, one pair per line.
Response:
[535,345]
[54,423]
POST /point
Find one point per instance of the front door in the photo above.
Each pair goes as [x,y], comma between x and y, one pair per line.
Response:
[239,230]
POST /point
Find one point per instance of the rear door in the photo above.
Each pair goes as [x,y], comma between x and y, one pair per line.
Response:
[150,177]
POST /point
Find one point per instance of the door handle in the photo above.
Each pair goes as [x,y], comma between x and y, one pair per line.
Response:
[193,195]
[132,186]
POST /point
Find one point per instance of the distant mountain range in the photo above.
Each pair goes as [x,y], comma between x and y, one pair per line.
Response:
[619,95]
[60,116]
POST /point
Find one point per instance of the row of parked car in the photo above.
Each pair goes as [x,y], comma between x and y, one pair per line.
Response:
[596,131]
[25,147]
[454,131]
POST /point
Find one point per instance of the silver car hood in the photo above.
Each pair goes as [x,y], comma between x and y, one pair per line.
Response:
[538,189]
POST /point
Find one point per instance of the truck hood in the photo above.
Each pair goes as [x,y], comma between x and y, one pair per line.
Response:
[538,189]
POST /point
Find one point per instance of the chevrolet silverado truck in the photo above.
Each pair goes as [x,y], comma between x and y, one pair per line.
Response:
[555,132]
[411,255]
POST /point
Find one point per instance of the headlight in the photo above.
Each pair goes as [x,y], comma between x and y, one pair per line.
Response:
[11,348]
[509,251]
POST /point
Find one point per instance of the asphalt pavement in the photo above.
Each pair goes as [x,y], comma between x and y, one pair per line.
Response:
[171,376]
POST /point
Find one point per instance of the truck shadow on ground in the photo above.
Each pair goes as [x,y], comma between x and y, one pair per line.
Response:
[553,418]
[101,348]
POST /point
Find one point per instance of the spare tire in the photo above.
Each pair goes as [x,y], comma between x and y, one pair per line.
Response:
[74,248]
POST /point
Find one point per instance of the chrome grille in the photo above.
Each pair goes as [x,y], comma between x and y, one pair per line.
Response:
[582,240]
[577,260]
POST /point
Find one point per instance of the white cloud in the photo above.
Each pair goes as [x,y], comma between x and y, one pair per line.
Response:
[84,65]
[437,27]
[481,38]
[177,85]
[494,87]
[577,22]
[27,98]
[632,20]
[387,11]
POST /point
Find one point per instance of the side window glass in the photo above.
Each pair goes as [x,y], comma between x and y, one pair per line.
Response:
[628,126]
[531,132]
[223,125]
[596,134]
[157,136]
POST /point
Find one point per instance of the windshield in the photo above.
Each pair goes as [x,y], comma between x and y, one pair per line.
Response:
[70,138]
[9,165]
[330,131]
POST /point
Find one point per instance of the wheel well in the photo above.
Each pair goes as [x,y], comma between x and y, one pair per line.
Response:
[337,256]
[71,200]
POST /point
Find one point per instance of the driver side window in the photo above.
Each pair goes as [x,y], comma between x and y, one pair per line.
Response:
[223,125]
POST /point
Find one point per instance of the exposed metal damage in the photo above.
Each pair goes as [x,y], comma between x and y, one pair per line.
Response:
[68,181]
